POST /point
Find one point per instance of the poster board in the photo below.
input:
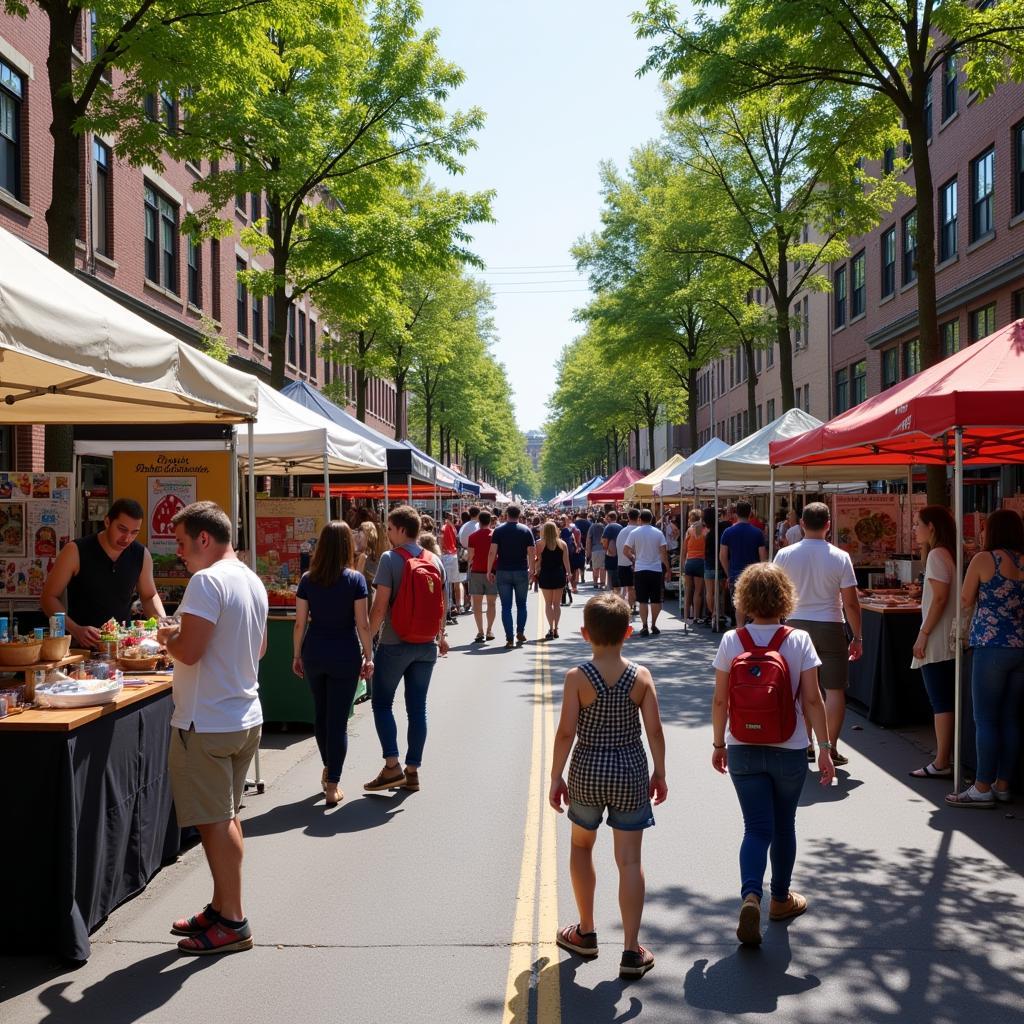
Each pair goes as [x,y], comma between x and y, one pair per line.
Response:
[35,524]
[283,527]
[867,526]
[163,482]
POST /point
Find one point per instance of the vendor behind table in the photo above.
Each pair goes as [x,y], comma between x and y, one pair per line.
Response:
[101,573]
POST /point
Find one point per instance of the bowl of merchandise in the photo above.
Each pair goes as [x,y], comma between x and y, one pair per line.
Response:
[20,652]
[138,654]
[55,648]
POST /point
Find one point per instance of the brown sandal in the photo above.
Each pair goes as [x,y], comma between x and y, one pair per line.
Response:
[576,941]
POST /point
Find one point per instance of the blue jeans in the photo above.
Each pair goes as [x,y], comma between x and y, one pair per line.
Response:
[997,684]
[517,582]
[334,688]
[392,663]
[768,781]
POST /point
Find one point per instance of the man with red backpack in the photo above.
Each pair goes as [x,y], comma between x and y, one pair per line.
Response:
[409,601]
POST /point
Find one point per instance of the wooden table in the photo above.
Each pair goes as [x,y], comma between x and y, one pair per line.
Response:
[66,719]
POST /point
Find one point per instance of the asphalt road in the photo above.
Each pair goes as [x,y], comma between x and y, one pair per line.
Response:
[441,906]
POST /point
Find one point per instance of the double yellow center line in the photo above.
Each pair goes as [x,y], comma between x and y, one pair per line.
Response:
[532,994]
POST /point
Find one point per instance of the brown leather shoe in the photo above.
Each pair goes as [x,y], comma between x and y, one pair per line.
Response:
[780,910]
[412,781]
[748,931]
[389,778]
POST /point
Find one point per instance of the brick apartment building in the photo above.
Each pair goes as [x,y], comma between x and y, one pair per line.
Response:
[130,246]
[863,336]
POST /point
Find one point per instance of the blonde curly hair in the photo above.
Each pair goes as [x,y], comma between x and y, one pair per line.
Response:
[764,591]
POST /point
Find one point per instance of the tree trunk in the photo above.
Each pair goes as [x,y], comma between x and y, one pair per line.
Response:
[650,436]
[279,333]
[691,403]
[361,381]
[65,177]
[748,351]
[400,412]
[428,415]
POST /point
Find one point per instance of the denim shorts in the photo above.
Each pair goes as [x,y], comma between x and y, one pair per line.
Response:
[625,821]
[694,567]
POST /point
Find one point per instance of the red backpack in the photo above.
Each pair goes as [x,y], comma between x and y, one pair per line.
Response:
[762,708]
[418,609]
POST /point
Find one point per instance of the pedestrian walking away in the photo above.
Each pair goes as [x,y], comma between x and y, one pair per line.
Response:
[336,650]
[994,588]
[595,552]
[648,550]
[693,567]
[742,544]
[611,533]
[827,603]
[479,584]
[603,703]
[768,777]
[409,613]
[449,541]
[935,646]
[551,556]
[512,552]
[466,530]
[627,585]
[217,715]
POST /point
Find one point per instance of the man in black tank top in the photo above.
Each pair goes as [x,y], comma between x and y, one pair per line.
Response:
[101,574]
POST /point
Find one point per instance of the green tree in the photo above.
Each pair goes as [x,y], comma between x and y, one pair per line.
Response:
[881,57]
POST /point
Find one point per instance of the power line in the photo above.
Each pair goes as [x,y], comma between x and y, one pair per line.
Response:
[553,291]
[508,284]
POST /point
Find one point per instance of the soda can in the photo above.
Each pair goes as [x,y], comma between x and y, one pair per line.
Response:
[39,633]
[5,629]
[56,624]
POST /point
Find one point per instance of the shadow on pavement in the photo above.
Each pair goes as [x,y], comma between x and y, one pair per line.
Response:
[356,813]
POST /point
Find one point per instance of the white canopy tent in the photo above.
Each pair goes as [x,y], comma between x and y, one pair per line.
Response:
[680,480]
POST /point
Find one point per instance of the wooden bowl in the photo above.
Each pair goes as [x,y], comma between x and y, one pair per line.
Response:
[20,655]
[55,648]
[138,664]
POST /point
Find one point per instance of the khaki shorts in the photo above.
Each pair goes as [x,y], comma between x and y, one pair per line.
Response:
[479,586]
[597,559]
[829,639]
[208,772]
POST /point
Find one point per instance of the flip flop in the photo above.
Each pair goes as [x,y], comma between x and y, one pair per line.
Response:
[929,771]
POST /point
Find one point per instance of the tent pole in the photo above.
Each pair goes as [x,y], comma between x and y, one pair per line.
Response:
[385,493]
[327,488]
[958,511]
[233,449]
[771,515]
[717,565]
[910,510]
[410,488]
[252,554]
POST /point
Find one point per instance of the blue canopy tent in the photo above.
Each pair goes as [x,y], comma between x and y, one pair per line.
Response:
[579,496]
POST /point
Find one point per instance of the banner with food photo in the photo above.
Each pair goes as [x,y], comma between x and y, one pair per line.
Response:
[284,527]
[35,523]
[867,526]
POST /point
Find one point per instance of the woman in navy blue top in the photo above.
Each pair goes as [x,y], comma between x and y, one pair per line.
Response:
[335,650]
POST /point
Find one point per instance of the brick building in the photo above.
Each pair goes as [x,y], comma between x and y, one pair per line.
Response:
[129,243]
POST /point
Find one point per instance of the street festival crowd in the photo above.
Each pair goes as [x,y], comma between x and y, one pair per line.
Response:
[378,596]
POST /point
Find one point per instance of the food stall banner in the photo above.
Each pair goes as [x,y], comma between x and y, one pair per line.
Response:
[164,482]
[614,488]
[978,389]
[72,355]
[643,489]
[35,523]
[680,480]
[867,526]
[286,528]
[289,439]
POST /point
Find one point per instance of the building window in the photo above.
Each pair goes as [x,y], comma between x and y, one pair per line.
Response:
[215,279]
[241,299]
[149,105]
[983,170]
[101,197]
[888,262]
[257,322]
[839,297]
[760,413]
[983,322]
[858,297]
[911,358]
[842,390]
[12,94]
[769,360]
[950,337]
[256,206]
[161,240]
[859,382]
[292,358]
[890,367]
[807,398]
[240,195]
[928,108]
[1018,170]
[889,160]
[302,342]
[947,226]
[910,247]
[169,112]
[195,273]
[312,350]
[949,87]
[1018,304]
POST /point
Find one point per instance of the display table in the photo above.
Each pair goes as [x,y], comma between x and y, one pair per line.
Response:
[284,696]
[882,681]
[88,815]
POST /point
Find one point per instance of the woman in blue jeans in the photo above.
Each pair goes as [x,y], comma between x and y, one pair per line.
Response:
[769,778]
[335,650]
[995,584]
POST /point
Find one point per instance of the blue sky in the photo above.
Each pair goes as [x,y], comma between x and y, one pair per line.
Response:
[558,82]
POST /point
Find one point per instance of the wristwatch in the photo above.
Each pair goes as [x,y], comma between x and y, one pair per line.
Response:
[827,745]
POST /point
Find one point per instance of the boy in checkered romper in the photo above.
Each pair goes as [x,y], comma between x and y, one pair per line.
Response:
[602,706]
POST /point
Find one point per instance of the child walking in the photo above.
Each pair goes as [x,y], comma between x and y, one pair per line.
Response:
[603,703]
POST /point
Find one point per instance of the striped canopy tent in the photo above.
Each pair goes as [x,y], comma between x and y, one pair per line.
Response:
[614,488]
[643,489]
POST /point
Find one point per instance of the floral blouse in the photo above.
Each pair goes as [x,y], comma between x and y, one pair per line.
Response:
[999,618]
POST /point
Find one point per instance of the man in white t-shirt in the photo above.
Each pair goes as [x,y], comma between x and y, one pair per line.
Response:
[217,715]
[626,568]
[470,526]
[647,549]
[826,588]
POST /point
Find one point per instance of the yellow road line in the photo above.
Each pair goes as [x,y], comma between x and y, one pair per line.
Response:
[536,899]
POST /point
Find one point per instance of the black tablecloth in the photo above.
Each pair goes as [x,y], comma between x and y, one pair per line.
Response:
[88,820]
[882,681]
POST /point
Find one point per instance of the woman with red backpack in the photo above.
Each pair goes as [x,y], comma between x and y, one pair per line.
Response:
[766,686]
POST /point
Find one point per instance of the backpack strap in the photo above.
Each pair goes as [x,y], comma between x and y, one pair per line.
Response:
[780,638]
[746,639]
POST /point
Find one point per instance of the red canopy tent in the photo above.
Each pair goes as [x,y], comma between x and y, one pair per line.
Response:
[968,409]
[614,488]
